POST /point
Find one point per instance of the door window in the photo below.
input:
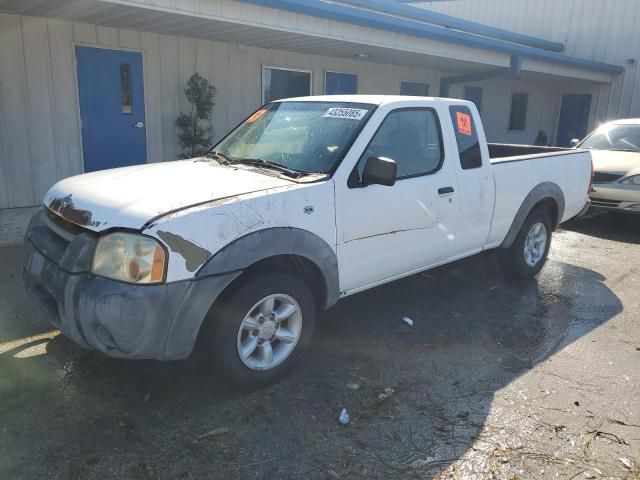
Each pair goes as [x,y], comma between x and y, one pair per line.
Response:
[410,137]
[278,83]
[466,137]
[125,87]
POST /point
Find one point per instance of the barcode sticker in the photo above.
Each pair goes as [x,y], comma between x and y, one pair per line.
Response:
[349,113]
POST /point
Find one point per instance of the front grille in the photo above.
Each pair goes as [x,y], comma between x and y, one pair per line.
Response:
[601,177]
[61,227]
[52,235]
[603,202]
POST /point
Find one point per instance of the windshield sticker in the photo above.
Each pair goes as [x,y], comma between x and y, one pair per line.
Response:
[349,113]
[464,123]
[256,115]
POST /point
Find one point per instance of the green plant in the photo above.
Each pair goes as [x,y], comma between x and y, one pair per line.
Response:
[194,128]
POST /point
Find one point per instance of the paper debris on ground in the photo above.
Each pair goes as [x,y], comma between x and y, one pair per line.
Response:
[408,321]
[213,433]
[344,417]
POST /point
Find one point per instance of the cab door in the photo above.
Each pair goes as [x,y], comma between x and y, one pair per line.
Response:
[386,232]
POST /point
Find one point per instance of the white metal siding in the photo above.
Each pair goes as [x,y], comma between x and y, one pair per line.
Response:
[602,30]
[543,108]
[39,121]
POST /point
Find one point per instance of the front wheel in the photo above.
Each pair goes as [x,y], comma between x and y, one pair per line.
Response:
[259,330]
[528,253]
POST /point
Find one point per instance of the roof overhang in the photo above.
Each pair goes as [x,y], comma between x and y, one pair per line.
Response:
[321,28]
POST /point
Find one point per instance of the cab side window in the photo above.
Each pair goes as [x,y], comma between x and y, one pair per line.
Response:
[466,137]
[410,137]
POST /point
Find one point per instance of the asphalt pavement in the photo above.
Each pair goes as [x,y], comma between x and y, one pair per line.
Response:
[495,379]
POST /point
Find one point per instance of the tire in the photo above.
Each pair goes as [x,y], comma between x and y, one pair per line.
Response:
[246,304]
[515,261]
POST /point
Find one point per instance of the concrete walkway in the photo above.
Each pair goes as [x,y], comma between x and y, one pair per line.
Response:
[13,223]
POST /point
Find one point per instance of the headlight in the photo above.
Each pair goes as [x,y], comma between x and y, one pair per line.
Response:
[635,180]
[128,257]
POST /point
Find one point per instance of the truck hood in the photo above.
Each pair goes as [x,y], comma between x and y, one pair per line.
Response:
[131,196]
[621,163]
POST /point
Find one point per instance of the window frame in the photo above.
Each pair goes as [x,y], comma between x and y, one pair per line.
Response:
[526,112]
[417,83]
[324,86]
[406,177]
[286,69]
[474,133]
[347,148]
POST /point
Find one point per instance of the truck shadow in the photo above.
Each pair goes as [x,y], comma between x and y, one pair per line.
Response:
[611,226]
[418,395]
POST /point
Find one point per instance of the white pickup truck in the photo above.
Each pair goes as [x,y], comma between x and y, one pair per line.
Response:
[307,201]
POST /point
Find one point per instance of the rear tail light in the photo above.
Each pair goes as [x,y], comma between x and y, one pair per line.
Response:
[591,178]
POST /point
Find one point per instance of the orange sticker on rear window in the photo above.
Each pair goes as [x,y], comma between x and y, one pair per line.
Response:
[464,123]
[256,116]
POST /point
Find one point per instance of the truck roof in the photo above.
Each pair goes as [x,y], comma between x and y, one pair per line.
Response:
[371,99]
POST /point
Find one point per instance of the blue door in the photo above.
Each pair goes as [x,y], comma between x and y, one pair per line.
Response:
[574,118]
[111,91]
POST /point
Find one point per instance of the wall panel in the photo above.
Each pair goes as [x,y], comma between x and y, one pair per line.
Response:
[40,140]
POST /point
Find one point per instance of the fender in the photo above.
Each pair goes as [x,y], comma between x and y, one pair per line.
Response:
[541,192]
[250,249]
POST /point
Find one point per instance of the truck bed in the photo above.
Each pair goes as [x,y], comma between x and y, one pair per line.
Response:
[520,168]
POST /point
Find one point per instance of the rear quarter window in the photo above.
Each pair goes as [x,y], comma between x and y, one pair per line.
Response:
[466,133]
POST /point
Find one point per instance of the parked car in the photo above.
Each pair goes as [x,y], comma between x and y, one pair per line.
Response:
[615,148]
[308,201]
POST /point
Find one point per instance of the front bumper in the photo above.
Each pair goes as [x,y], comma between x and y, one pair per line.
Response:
[121,320]
[617,197]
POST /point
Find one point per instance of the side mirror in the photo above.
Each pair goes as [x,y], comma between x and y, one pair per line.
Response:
[574,142]
[379,171]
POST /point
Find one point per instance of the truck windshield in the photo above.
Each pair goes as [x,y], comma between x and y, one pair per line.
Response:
[614,137]
[305,137]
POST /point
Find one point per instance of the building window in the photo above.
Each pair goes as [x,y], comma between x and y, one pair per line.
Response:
[278,83]
[474,94]
[466,137]
[340,83]
[414,89]
[518,115]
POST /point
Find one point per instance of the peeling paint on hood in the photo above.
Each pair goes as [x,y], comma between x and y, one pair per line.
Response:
[128,197]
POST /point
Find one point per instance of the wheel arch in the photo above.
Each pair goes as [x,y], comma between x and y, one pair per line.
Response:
[547,195]
[290,249]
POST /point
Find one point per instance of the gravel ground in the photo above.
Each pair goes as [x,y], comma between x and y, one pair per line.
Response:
[495,379]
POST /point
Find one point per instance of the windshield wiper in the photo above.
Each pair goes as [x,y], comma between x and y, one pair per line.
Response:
[259,162]
[220,157]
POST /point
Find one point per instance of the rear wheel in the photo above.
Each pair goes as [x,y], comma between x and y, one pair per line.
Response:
[259,329]
[528,253]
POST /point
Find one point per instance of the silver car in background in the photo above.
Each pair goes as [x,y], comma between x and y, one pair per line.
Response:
[615,148]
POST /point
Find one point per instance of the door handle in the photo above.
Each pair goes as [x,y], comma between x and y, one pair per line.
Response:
[138,125]
[445,190]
